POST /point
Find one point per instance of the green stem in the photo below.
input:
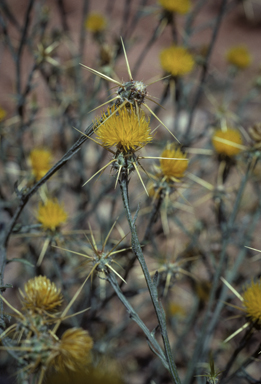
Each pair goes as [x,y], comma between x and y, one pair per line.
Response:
[136,248]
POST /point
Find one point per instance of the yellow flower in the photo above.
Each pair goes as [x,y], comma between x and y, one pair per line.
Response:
[2,114]
[41,160]
[73,350]
[125,130]
[179,6]
[239,56]
[41,295]
[227,142]
[95,22]
[176,309]
[51,214]
[252,301]
[173,168]
[177,60]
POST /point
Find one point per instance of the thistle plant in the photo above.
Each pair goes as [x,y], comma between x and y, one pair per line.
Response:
[122,268]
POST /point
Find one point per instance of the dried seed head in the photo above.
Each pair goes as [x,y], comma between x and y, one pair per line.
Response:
[134,92]
[41,295]
[73,350]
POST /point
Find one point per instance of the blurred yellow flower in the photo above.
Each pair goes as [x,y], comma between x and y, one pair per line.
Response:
[41,160]
[179,6]
[41,295]
[252,301]
[227,142]
[239,56]
[51,214]
[125,130]
[173,168]
[95,22]
[2,114]
[177,60]
[73,350]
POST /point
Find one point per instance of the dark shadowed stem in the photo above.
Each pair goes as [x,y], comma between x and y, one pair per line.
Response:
[153,217]
[198,350]
[205,66]
[136,248]
[248,361]
[241,346]
[135,317]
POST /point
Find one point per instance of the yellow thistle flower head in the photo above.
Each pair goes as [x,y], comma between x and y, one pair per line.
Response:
[2,114]
[252,301]
[173,168]
[41,295]
[177,60]
[51,214]
[227,142]
[124,129]
[239,56]
[95,22]
[73,350]
[179,6]
[41,160]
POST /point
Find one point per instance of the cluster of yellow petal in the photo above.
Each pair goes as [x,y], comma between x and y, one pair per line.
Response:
[227,142]
[124,129]
[173,168]
[51,214]
[73,350]
[41,295]
[239,56]
[177,60]
[95,22]
[2,114]
[40,160]
[252,301]
[178,6]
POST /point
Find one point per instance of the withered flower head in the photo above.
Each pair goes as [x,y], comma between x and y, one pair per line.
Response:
[73,350]
[41,295]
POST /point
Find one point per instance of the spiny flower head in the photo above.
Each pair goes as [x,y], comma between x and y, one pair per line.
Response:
[124,129]
[41,295]
[41,160]
[173,168]
[227,142]
[2,114]
[176,60]
[73,350]
[178,6]
[51,214]
[239,56]
[252,301]
[95,22]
